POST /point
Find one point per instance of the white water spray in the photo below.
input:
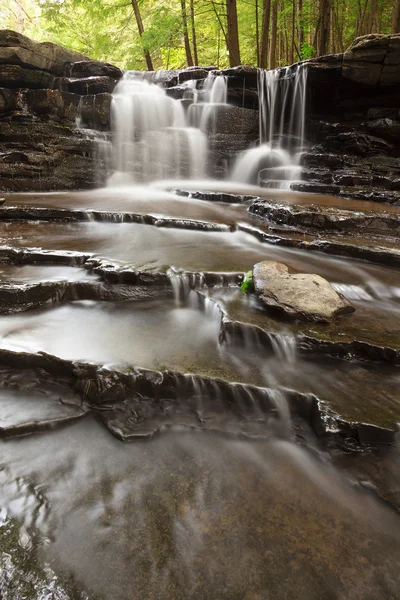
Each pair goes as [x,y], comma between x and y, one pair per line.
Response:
[151,136]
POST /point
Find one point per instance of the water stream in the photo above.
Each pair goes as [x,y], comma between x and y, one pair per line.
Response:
[256,461]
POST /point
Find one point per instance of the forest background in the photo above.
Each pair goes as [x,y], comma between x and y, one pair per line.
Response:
[169,34]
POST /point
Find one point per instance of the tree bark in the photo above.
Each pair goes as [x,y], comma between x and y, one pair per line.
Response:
[324,26]
[265,33]
[188,51]
[139,22]
[396,17]
[257,34]
[194,38]
[301,25]
[274,28]
[373,17]
[233,33]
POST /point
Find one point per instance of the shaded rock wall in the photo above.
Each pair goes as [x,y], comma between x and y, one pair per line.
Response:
[42,89]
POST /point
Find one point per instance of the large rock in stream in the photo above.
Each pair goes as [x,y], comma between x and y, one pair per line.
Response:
[298,295]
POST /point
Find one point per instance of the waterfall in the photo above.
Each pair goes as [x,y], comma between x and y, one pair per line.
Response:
[202,114]
[154,137]
[282,105]
[151,136]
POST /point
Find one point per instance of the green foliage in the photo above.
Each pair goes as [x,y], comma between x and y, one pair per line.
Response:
[247,286]
[107,29]
[307,51]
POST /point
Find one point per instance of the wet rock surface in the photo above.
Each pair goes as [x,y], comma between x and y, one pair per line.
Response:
[198,408]
[314,217]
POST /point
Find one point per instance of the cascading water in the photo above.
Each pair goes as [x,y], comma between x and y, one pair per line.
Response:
[282,103]
[202,113]
[151,136]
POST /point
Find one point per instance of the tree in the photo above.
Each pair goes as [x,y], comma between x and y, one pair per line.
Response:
[265,33]
[274,30]
[323,26]
[155,34]
[189,58]
[232,38]
[396,17]
[139,22]
[194,38]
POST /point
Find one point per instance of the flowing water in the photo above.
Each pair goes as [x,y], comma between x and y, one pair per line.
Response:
[253,468]
[275,162]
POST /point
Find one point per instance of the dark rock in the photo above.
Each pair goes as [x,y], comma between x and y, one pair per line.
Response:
[315,188]
[228,120]
[383,113]
[180,92]
[95,110]
[17,49]
[14,77]
[372,195]
[351,178]
[87,85]
[50,104]
[216,196]
[357,143]
[14,157]
[193,73]
[244,73]
[298,295]
[92,68]
[311,216]
[8,100]
[373,60]
[228,145]
[317,175]
[386,128]
[316,159]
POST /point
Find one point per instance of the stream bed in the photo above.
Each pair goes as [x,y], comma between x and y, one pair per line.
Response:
[163,436]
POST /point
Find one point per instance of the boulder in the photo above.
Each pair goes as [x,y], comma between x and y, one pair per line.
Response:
[92,68]
[373,60]
[86,85]
[298,295]
[17,49]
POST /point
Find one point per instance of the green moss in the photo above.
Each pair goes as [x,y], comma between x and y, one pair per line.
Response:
[247,286]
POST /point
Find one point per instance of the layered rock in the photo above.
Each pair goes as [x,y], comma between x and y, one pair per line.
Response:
[44,90]
[354,121]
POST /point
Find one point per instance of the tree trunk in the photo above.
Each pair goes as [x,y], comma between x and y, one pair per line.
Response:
[301,26]
[273,43]
[293,40]
[233,33]
[324,26]
[373,17]
[139,22]
[257,34]
[265,33]
[189,58]
[194,39]
[396,17]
